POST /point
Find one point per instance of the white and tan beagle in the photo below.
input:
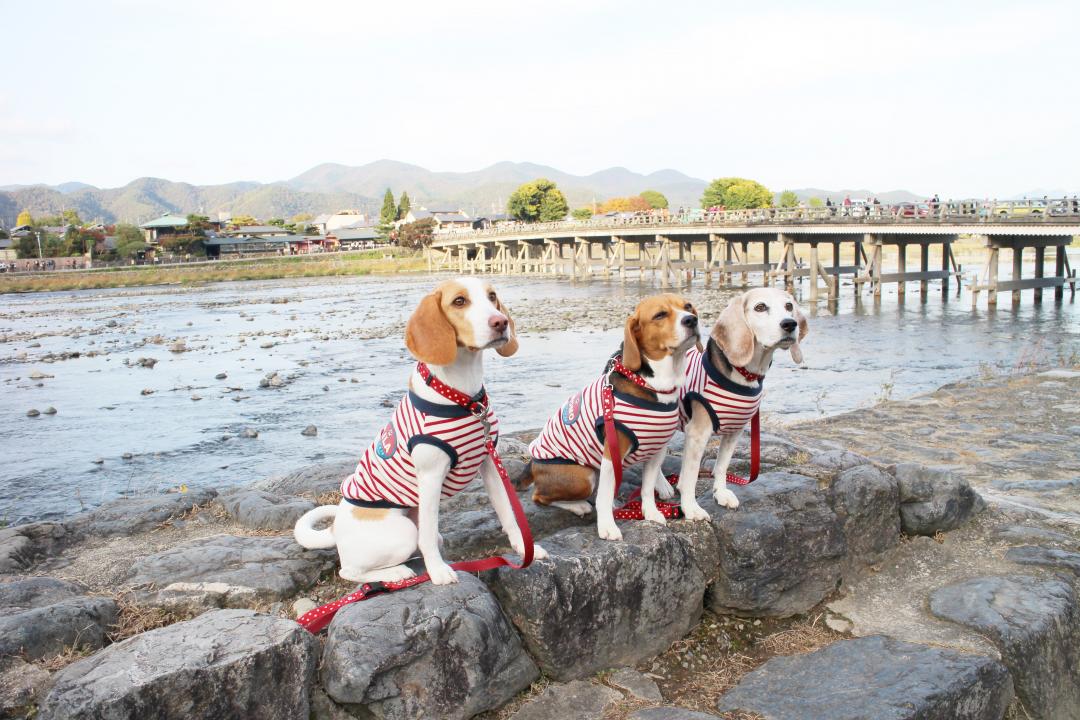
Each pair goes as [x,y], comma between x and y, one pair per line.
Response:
[723,385]
[431,448]
[570,455]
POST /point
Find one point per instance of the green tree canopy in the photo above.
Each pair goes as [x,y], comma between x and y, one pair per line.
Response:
[815,202]
[582,214]
[278,222]
[302,218]
[25,218]
[388,214]
[416,234]
[538,201]
[404,205]
[788,199]
[242,220]
[129,240]
[198,224]
[736,194]
[655,199]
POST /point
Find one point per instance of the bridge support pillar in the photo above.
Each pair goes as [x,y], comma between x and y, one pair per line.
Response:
[1017,270]
[1059,271]
[764,259]
[901,269]
[924,263]
[992,275]
[1040,259]
[813,272]
[789,262]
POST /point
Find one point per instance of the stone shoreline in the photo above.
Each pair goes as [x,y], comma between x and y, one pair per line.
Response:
[946,564]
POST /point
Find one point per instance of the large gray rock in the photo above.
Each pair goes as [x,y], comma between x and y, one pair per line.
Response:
[131,515]
[669,713]
[597,604]
[261,509]
[793,539]
[933,499]
[1036,626]
[874,677]
[428,651]
[41,616]
[576,700]
[228,571]
[23,545]
[1050,557]
[312,480]
[21,685]
[224,664]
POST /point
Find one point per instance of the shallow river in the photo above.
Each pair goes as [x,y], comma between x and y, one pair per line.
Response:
[337,343]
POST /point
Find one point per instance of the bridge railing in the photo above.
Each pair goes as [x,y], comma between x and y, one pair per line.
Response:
[967,211]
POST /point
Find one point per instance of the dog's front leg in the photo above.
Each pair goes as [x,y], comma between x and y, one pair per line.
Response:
[698,431]
[496,490]
[724,497]
[432,465]
[649,475]
[605,499]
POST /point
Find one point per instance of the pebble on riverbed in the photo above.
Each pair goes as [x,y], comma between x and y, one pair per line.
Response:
[127,456]
[147,391]
[32,413]
[310,431]
[249,433]
[50,410]
[221,376]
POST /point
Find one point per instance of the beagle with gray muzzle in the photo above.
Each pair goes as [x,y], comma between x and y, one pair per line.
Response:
[723,386]
[430,449]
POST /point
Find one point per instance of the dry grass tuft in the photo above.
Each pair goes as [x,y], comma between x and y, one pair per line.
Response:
[333,497]
[507,711]
[134,618]
[801,638]
[213,509]
[63,658]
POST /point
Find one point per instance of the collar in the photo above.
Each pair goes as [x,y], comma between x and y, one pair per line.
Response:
[475,405]
[746,373]
[617,366]
[750,377]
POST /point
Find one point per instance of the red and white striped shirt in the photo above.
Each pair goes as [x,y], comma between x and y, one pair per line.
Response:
[386,474]
[729,404]
[575,434]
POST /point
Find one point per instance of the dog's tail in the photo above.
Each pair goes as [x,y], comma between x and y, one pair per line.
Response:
[526,478]
[305,533]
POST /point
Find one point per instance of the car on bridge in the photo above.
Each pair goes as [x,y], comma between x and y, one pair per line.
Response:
[911,210]
[1028,208]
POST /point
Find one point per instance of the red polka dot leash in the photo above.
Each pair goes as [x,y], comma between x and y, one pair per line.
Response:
[320,617]
[617,366]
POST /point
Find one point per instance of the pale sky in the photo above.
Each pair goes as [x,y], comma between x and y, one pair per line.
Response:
[963,99]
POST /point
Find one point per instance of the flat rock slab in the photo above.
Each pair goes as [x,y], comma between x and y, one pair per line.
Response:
[131,515]
[228,571]
[22,545]
[875,677]
[576,700]
[444,651]
[225,664]
[636,684]
[1050,557]
[669,713]
[260,509]
[1035,624]
[312,480]
[41,616]
[596,604]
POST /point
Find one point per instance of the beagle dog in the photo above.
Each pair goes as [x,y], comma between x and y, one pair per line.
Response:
[431,447]
[723,385]
[570,454]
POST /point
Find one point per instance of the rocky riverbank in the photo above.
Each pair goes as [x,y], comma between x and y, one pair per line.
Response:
[917,559]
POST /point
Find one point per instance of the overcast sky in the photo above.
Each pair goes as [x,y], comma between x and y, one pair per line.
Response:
[963,99]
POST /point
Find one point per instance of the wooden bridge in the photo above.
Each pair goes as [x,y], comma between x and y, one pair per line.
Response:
[678,247]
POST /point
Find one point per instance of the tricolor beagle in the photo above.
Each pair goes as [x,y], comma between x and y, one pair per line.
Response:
[570,453]
[430,448]
[723,385]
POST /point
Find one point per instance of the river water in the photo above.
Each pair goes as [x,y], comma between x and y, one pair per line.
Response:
[337,343]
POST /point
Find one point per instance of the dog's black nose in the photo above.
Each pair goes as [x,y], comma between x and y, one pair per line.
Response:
[497,323]
[690,321]
[788,325]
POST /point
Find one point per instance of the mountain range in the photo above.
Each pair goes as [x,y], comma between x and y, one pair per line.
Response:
[331,187]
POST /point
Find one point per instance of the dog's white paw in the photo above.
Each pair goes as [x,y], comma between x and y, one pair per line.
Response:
[518,544]
[581,508]
[655,516]
[609,531]
[692,511]
[539,553]
[442,574]
[663,488]
[726,498]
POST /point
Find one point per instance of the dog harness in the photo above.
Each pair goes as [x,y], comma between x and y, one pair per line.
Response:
[576,433]
[730,405]
[385,476]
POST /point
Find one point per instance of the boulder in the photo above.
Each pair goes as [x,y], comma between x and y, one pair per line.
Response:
[261,509]
[311,480]
[428,651]
[576,700]
[21,685]
[1035,624]
[597,604]
[41,616]
[224,664]
[933,500]
[874,677]
[131,515]
[23,545]
[794,539]
[228,571]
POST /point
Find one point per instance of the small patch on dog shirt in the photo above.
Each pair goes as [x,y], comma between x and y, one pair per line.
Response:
[369,514]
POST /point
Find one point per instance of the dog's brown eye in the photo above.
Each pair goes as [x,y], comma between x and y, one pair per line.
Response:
[688,307]
[789,307]
[491,296]
[660,315]
[459,301]
[761,307]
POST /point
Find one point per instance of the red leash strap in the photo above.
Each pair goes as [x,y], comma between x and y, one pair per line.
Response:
[631,510]
[320,617]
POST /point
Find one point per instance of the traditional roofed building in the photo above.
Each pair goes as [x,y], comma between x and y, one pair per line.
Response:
[167,224]
[259,231]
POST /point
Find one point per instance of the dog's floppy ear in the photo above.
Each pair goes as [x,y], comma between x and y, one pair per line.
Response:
[429,335]
[510,347]
[698,345]
[733,333]
[804,327]
[631,353]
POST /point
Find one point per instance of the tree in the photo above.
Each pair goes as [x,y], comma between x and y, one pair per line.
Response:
[788,199]
[199,224]
[736,194]
[129,241]
[279,222]
[70,217]
[634,203]
[78,241]
[388,214]
[242,220]
[25,218]
[815,202]
[416,234]
[582,214]
[404,205]
[302,218]
[655,199]
[539,200]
